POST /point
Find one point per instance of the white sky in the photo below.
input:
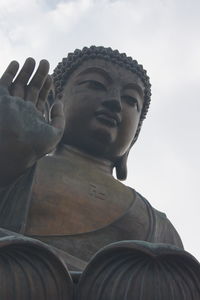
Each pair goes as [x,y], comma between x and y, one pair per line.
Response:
[163,35]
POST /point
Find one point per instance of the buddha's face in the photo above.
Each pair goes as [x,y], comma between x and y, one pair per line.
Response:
[103,104]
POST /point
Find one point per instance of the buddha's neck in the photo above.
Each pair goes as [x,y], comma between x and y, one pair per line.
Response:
[80,158]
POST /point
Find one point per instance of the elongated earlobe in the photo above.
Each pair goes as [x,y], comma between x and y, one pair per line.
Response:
[121,167]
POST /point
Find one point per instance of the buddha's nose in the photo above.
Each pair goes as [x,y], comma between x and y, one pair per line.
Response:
[113,102]
[113,105]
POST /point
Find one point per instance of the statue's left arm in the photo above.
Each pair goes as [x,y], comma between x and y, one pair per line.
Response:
[158,227]
[165,232]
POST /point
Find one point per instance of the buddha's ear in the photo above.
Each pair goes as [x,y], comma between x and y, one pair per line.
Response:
[121,167]
[121,163]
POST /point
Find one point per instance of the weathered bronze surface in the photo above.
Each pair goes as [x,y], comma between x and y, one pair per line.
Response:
[128,270]
[69,198]
[30,270]
[140,270]
[78,189]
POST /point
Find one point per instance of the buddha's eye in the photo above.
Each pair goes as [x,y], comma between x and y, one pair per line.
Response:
[131,101]
[93,84]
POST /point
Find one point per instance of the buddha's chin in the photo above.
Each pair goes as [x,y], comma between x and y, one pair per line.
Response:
[100,142]
[97,140]
[97,143]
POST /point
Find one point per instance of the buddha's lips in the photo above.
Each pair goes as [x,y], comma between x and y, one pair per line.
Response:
[108,118]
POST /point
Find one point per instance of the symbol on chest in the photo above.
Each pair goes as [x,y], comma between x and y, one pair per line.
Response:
[96,192]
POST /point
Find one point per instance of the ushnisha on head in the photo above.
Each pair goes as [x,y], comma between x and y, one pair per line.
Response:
[65,69]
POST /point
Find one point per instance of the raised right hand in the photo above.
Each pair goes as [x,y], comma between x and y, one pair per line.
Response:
[34,94]
[24,132]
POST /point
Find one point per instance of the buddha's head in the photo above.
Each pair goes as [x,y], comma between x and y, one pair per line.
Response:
[106,96]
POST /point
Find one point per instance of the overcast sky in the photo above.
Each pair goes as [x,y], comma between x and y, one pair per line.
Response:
[163,35]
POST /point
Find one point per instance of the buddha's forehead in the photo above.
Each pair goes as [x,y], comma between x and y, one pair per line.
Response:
[107,69]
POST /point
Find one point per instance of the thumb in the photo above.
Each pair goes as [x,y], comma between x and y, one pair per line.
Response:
[57,116]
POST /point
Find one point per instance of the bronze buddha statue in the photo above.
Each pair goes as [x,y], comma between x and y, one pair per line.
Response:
[69,198]
[61,208]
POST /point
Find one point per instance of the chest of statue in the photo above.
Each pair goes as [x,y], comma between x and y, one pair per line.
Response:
[73,195]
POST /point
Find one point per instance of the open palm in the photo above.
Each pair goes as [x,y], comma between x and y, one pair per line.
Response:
[30,94]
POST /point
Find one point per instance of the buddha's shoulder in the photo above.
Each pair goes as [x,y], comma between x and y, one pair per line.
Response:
[143,218]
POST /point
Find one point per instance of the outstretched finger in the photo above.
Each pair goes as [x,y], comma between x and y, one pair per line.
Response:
[44,94]
[37,81]
[9,74]
[19,84]
[57,116]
